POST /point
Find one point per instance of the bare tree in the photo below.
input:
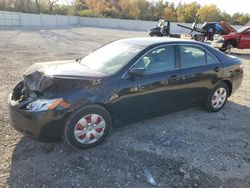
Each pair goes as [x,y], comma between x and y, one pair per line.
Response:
[51,5]
[37,6]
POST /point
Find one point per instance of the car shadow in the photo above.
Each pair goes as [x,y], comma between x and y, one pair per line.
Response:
[120,160]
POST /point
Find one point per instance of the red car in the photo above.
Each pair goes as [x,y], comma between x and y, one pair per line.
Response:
[238,39]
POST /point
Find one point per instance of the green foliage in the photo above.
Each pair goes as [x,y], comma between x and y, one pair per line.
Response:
[187,12]
[170,13]
[88,13]
[225,17]
[80,5]
[127,9]
[239,19]
[209,13]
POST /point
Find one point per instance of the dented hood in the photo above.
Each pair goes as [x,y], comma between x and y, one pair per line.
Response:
[61,74]
[69,68]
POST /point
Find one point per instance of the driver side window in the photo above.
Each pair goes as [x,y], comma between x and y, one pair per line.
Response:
[158,60]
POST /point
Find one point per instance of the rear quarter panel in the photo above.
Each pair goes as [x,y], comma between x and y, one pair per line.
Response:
[232,72]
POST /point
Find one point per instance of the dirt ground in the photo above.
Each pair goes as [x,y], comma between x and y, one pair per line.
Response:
[191,148]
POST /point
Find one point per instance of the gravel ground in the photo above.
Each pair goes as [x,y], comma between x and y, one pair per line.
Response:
[191,148]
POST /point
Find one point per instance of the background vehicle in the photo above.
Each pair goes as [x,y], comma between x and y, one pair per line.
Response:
[141,78]
[239,39]
[208,30]
[162,30]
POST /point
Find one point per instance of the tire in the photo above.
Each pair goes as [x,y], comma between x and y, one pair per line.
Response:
[217,94]
[223,49]
[153,35]
[200,38]
[227,45]
[87,127]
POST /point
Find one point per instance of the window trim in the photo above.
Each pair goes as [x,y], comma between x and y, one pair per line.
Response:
[207,52]
[152,49]
[197,47]
[194,45]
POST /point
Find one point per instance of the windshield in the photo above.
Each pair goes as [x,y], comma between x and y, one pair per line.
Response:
[110,58]
[242,29]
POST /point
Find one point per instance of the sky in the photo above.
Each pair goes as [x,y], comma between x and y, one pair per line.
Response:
[65,2]
[230,6]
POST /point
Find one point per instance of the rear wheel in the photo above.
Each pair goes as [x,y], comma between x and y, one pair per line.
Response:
[153,35]
[226,46]
[87,127]
[217,98]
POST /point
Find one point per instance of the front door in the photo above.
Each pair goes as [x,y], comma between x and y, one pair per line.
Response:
[153,93]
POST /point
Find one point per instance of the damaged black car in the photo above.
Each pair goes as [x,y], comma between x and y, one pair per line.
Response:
[123,81]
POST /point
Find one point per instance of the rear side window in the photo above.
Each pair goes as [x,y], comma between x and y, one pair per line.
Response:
[192,56]
[211,59]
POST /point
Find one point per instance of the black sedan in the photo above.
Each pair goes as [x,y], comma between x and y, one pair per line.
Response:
[123,81]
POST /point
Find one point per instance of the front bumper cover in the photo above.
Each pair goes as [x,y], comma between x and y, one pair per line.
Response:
[45,126]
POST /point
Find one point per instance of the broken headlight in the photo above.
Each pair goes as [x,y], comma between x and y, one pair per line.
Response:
[43,104]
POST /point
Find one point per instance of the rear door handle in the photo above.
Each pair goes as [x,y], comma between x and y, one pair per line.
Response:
[216,69]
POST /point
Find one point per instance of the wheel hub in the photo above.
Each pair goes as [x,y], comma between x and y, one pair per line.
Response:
[89,129]
[219,98]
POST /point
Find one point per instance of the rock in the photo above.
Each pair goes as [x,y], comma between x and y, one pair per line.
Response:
[181,170]
[187,176]
[149,177]
[86,158]
[167,143]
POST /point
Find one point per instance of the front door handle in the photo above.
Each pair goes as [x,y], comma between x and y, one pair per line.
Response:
[216,69]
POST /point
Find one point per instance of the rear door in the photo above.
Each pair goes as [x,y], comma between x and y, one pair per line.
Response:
[200,71]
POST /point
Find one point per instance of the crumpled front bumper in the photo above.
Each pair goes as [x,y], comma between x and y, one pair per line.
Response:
[46,126]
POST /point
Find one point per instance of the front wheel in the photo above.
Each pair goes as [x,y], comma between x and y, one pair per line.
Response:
[87,127]
[217,98]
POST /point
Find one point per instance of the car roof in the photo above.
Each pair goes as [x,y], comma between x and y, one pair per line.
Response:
[148,41]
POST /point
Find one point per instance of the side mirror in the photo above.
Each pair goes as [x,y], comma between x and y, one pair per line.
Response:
[139,72]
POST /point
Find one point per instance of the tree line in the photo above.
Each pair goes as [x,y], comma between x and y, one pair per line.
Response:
[127,9]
